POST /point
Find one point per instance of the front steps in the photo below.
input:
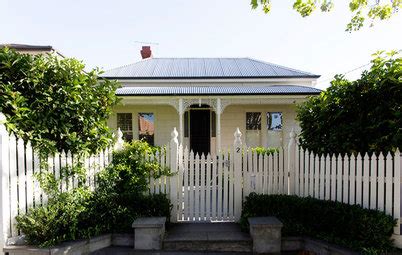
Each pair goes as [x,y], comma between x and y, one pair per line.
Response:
[190,239]
[207,237]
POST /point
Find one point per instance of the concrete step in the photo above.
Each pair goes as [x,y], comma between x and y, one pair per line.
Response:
[207,237]
[131,251]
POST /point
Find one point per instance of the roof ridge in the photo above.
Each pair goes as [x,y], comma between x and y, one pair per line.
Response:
[280,66]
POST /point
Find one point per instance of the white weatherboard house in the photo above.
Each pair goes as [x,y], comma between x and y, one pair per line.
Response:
[207,98]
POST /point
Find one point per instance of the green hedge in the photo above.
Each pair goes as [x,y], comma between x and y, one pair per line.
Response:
[348,225]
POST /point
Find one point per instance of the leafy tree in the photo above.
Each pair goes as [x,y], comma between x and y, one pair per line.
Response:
[361,9]
[54,102]
[357,116]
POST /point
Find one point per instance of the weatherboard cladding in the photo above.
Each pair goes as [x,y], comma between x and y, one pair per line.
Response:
[173,68]
[169,91]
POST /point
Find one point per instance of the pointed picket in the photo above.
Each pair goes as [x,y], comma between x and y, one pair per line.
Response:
[13,184]
[333,177]
[388,184]
[219,187]
[281,185]
[21,177]
[29,175]
[311,175]
[259,173]
[202,187]
[345,179]
[397,190]
[37,189]
[231,183]
[265,174]
[276,173]
[180,186]
[271,174]
[63,165]
[186,186]
[352,180]
[381,183]
[366,181]
[322,177]
[214,190]
[339,179]
[70,179]
[359,179]
[327,183]
[297,171]
[316,192]
[208,198]
[373,182]
[191,189]
[197,188]
[306,173]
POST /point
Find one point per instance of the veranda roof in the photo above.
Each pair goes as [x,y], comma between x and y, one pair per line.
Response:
[172,91]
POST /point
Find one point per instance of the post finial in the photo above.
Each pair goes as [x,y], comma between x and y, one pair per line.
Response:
[237,134]
[119,142]
[174,133]
[292,134]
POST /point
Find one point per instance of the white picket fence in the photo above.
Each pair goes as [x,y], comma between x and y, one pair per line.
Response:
[213,187]
[370,181]
[20,190]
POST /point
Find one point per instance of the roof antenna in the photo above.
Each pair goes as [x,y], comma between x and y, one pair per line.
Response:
[149,43]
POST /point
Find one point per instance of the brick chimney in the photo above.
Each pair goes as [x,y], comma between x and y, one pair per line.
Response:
[146,52]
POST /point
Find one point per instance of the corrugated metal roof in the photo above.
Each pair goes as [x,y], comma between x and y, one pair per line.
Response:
[202,68]
[169,91]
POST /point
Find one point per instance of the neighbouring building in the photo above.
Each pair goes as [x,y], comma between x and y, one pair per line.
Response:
[32,49]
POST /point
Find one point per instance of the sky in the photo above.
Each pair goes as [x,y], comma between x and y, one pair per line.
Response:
[105,33]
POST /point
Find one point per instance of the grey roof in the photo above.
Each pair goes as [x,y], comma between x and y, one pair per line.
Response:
[169,91]
[204,68]
[27,47]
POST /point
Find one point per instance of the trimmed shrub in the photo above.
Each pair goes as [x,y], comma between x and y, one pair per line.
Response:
[348,225]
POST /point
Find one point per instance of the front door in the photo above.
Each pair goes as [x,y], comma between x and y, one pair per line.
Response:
[200,133]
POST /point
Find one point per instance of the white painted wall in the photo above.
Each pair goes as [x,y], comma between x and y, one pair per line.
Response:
[166,118]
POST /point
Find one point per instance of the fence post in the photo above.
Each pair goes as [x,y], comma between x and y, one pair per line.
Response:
[119,142]
[238,182]
[174,147]
[4,188]
[291,161]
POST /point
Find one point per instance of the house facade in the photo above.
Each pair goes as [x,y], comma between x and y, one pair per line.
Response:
[206,99]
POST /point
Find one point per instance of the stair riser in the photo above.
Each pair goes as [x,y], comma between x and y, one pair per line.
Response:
[239,246]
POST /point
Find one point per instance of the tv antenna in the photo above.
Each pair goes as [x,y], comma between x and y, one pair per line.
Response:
[149,43]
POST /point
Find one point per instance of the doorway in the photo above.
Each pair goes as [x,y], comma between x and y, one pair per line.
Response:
[200,131]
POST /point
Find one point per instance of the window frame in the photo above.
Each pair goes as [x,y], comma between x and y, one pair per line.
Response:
[269,121]
[127,133]
[258,125]
[151,141]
